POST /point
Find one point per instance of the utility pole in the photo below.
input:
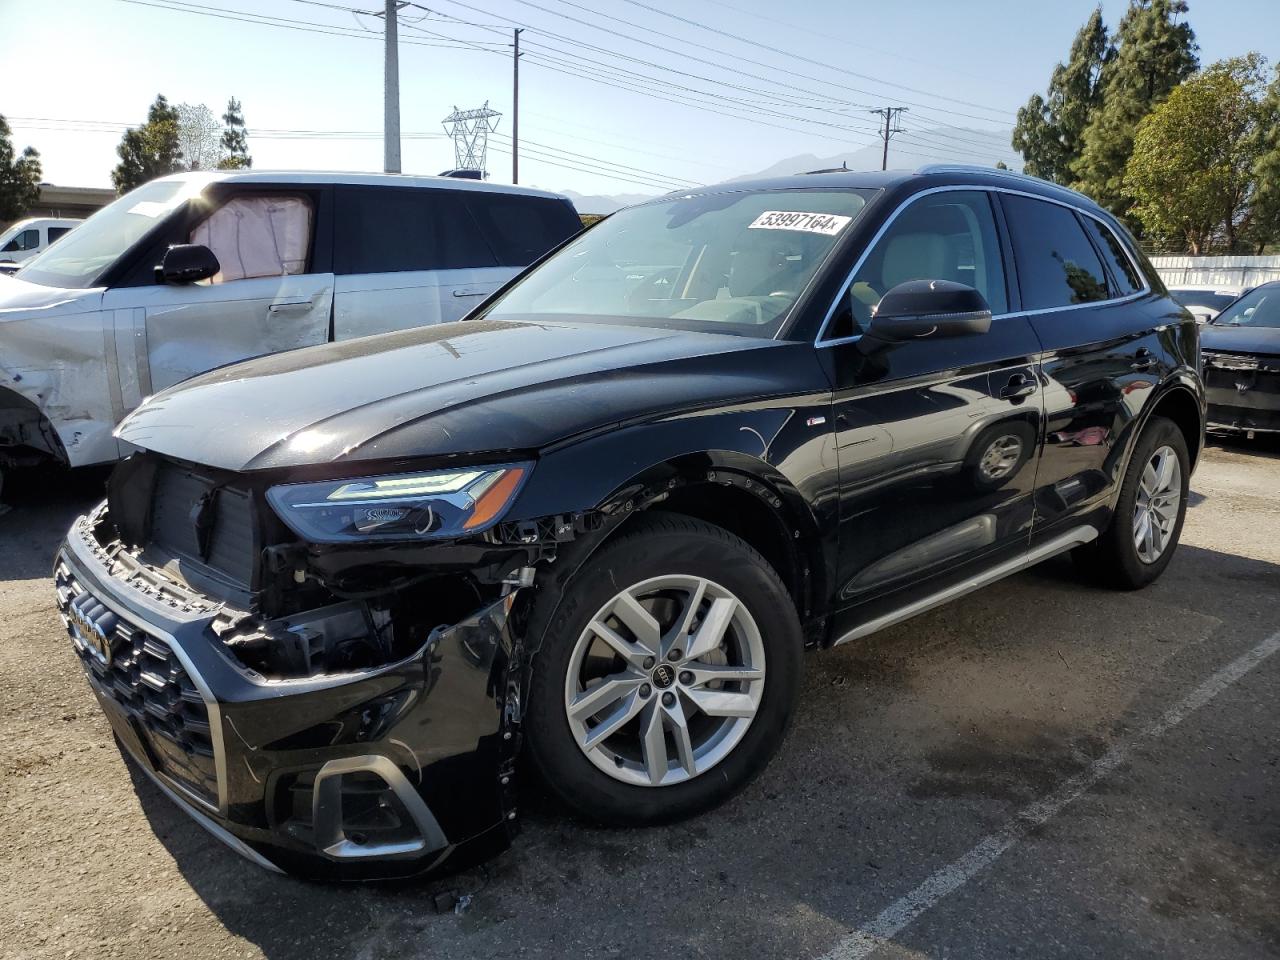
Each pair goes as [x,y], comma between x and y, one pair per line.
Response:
[391,86]
[515,108]
[891,126]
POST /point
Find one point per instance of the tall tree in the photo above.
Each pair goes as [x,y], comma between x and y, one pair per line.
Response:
[1049,129]
[1155,50]
[1264,221]
[19,177]
[1191,174]
[199,136]
[149,151]
[235,138]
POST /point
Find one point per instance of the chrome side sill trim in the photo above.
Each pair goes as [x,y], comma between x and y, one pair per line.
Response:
[1060,544]
[219,833]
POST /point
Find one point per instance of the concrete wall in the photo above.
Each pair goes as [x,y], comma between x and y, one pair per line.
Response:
[1219,271]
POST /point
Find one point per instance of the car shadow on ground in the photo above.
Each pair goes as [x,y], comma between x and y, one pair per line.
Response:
[806,839]
[37,509]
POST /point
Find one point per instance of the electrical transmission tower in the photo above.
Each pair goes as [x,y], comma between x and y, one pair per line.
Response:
[892,124]
[470,130]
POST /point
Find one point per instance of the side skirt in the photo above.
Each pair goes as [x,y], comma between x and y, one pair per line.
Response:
[1060,544]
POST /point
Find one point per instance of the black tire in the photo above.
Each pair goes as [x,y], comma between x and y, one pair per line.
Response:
[1113,559]
[656,545]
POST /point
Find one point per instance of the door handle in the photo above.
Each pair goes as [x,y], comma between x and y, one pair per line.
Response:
[289,306]
[1143,360]
[1019,387]
[469,293]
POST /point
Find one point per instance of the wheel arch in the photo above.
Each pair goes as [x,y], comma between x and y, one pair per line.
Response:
[26,434]
[1181,405]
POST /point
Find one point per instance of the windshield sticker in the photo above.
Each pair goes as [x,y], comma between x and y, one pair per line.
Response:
[150,208]
[827,224]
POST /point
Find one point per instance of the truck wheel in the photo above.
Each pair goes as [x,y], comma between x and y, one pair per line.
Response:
[1146,525]
[667,676]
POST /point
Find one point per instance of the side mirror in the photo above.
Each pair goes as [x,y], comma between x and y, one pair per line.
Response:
[930,308]
[187,263]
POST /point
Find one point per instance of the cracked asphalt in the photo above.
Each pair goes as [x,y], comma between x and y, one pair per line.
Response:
[909,750]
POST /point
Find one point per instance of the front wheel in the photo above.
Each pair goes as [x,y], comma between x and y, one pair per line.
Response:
[667,676]
[1147,523]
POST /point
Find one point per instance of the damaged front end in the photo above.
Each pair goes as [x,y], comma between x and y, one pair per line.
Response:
[344,710]
[1243,391]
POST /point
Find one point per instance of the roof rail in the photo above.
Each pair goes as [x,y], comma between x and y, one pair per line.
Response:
[1008,174]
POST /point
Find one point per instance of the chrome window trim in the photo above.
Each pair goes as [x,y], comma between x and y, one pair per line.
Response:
[978,188]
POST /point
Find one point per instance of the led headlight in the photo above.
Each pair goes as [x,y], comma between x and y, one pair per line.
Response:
[406,506]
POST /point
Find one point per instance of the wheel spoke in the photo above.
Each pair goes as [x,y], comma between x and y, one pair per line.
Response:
[710,633]
[639,621]
[614,721]
[653,743]
[679,726]
[633,653]
[1141,521]
[704,673]
[1150,478]
[608,691]
[722,703]
[679,635]
[1165,470]
[1149,539]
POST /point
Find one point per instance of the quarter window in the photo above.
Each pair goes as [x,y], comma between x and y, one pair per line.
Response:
[521,229]
[392,230]
[943,236]
[1123,272]
[1057,265]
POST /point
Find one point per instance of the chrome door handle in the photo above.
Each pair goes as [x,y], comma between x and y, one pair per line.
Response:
[1019,387]
[469,293]
[289,306]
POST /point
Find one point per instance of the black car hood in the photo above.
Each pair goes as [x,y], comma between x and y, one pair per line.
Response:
[458,389]
[1228,339]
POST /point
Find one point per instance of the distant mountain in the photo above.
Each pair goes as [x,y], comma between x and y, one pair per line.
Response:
[589,203]
[981,147]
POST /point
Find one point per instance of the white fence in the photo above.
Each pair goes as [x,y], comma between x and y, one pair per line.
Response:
[1219,271]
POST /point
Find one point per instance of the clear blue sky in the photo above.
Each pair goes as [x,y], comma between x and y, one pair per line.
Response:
[77,69]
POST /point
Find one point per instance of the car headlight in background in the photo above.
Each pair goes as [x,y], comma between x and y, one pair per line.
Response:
[404,506]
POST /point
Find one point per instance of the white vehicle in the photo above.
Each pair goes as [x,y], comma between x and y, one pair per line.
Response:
[197,270]
[1206,301]
[24,239]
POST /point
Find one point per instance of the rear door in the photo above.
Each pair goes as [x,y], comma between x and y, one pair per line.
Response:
[406,257]
[273,293]
[937,438]
[1104,349]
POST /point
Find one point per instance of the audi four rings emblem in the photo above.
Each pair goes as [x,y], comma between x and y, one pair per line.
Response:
[89,630]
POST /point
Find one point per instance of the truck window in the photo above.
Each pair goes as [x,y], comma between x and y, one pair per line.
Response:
[56,232]
[258,236]
[389,230]
[26,240]
[521,229]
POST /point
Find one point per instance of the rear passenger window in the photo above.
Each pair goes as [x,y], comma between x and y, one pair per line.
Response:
[56,232]
[1056,263]
[394,230]
[521,229]
[1123,271]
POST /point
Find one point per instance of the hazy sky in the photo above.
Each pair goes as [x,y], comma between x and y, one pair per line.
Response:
[77,71]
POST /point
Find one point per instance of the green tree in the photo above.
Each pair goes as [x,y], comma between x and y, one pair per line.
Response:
[1263,226]
[1192,171]
[1049,129]
[149,151]
[1155,50]
[235,139]
[19,177]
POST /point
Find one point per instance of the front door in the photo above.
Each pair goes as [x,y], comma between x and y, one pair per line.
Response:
[937,439]
[264,299]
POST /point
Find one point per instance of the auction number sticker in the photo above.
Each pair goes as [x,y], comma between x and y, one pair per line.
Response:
[827,224]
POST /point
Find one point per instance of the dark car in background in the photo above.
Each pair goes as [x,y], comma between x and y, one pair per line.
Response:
[1241,355]
[338,591]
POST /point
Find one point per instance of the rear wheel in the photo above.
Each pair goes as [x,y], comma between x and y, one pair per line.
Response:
[675,653]
[1147,522]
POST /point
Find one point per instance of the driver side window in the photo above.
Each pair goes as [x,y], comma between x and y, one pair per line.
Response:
[943,236]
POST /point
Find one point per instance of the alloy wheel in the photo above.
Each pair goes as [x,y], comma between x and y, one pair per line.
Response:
[1155,514]
[665,680]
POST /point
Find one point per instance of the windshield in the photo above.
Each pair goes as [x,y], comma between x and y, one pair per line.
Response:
[80,257]
[1202,298]
[724,262]
[1261,308]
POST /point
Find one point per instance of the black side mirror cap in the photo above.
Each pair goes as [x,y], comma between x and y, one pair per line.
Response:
[930,308]
[187,263]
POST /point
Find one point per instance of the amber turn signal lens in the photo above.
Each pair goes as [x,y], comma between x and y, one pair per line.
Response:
[493,500]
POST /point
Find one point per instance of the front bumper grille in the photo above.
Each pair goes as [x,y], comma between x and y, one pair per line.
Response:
[1243,391]
[140,674]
